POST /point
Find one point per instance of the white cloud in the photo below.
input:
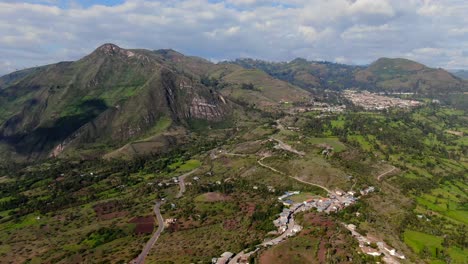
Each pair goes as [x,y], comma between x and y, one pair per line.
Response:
[374,7]
[39,32]
[366,32]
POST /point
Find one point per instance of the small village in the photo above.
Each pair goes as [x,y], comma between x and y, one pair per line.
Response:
[333,203]
[373,247]
[320,107]
[287,226]
[371,101]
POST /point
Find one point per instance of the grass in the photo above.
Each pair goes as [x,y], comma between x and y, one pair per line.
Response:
[162,124]
[27,221]
[361,140]
[301,249]
[189,165]
[458,255]
[418,240]
[6,199]
[301,197]
[339,123]
[447,200]
[337,145]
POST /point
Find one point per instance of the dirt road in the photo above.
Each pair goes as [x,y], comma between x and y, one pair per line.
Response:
[297,179]
[385,173]
[287,147]
[182,182]
[141,258]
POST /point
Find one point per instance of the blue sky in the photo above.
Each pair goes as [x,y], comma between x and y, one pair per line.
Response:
[433,32]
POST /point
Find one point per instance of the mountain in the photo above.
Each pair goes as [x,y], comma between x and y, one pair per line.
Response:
[110,97]
[402,75]
[115,96]
[243,85]
[310,75]
[463,74]
[384,75]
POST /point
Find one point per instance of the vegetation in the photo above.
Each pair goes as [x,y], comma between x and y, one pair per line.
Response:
[247,136]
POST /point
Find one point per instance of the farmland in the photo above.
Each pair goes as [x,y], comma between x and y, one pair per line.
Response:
[68,211]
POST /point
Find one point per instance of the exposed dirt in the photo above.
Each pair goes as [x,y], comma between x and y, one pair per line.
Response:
[109,210]
[247,209]
[215,197]
[144,224]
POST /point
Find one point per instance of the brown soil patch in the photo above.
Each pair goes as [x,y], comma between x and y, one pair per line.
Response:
[109,210]
[113,215]
[144,225]
[225,161]
[215,197]
[322,252]
[318,220]
[231,224]
[247,209]
[187,223]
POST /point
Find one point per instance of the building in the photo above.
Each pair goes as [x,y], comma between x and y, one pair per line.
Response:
[224,259]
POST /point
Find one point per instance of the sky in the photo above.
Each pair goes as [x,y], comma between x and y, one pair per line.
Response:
[433,32]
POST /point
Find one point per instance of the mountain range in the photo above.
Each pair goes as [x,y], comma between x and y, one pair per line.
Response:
[119,102]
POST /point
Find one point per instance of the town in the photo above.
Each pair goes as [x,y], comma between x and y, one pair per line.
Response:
[371,101]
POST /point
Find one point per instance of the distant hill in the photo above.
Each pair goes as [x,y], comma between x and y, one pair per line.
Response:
[402,75]
[463,74]
[114,96]
[310,75]
[391,75]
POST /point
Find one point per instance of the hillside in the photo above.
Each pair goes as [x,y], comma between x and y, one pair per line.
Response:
[402,75]
[114,96]
[310,75]
[463,74]
[241,84]
[109,97]
[384,75]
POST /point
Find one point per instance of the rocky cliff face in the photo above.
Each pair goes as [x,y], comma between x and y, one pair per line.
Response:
[111,97]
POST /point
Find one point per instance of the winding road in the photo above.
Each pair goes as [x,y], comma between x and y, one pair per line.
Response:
[182,182]
[287,147]
[385,173]
[297,179]
[141,258]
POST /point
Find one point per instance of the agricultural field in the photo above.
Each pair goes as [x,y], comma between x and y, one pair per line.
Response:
[231,196]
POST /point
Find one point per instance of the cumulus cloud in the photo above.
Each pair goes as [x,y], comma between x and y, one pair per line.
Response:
[38,32]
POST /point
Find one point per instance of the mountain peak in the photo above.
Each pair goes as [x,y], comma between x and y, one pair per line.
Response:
[397,63]
[109,48]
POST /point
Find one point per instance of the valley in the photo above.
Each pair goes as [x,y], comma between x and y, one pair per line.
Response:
[169,158]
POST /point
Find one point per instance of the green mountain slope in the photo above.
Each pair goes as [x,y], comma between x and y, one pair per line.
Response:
[391,75]
[403,75]
[310,75]
[109,97]
[243,85]
[114,96]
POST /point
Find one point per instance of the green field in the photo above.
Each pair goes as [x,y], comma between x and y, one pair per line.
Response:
[303,196]
[417,241]
[189,165]
[337,145]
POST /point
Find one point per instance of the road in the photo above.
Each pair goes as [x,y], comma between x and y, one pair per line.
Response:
[141,258]
[292,228]
[385,173]
[287,147]
[297,179]
[182,182]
